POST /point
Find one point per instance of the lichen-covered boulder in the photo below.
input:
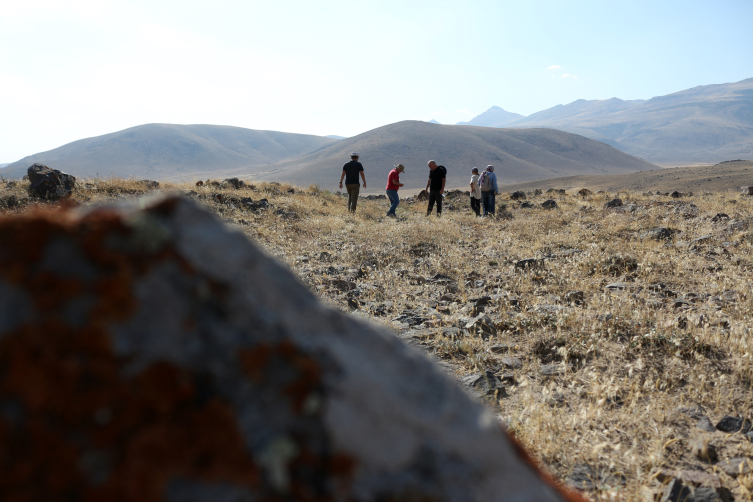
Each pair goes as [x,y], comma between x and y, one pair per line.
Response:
[153,354]
[50,184]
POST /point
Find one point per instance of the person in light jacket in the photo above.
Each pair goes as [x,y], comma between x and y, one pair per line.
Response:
[475,192]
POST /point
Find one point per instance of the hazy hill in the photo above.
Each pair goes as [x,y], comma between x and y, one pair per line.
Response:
[170,151]
[723,177]
[3,165]
[703,124]
[517,154]
[493,117]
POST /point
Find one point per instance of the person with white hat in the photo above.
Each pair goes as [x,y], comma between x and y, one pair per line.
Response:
[475,192]
[351,170]
[393,185]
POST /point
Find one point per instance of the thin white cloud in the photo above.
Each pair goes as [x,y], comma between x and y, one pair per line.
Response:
[554,67]
[566,75]
[463,111]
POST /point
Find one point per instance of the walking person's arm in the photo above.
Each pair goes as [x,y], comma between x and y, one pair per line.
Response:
[496,189]
[341,178]
[364,179]
[427,185]
[444,180]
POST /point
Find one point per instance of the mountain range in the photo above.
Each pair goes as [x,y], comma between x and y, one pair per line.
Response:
[704,124]
[189,152]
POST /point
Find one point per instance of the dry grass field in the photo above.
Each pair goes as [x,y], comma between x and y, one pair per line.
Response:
[611,355]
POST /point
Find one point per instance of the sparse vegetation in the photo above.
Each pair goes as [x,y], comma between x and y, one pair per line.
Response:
[608,345]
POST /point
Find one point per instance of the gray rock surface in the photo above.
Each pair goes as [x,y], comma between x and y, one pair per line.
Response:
[49,184]
[165,352]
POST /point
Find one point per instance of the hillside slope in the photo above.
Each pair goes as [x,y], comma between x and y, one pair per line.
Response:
[171,151]
[727,176]
[517,154]
[704,124]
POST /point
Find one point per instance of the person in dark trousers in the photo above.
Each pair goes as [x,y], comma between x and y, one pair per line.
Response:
[351,170]
[393,185]
[475,192]
[488,184]
[435,186]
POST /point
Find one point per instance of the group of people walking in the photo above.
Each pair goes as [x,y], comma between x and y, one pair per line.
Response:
[483,187]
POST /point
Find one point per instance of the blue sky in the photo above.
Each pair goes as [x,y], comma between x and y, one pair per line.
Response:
[71,69]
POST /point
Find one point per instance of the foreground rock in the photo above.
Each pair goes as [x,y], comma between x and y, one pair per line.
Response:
[155,355]
[50,184]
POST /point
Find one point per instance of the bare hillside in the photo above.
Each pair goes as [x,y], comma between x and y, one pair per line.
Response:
[707,123]
[170,151]
[517,154]
[724,177]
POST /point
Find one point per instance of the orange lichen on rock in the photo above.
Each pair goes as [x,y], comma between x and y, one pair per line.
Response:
[83,430]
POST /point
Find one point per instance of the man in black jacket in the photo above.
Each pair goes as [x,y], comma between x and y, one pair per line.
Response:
[351,170]
[435,186]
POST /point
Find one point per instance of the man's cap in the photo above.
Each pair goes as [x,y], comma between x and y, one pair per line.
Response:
[490,166]
[354,154]
[474,170]
[400,166]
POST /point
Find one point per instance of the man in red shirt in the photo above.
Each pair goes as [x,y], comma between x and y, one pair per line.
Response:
[393,185]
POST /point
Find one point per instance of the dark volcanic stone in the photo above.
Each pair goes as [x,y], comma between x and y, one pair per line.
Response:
[518,195]
[731,424]
[50,184]
[549,204]
[613,203]
[484,384]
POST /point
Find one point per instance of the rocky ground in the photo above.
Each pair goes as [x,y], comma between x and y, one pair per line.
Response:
[612,333]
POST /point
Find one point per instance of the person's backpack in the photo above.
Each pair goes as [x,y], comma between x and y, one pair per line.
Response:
[487,184]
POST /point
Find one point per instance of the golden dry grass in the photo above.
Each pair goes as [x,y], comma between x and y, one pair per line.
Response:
[630,357]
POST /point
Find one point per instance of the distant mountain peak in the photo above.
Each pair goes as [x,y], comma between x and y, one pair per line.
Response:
[494,117]
[432,121]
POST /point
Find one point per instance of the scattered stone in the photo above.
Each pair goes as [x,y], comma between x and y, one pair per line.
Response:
[232,183]
[675,195]
[527,205]
[484,384]
[482,325]
[588,478]
[500,348]
[605,317]
[529,264]
[199,183]
[697,412]
[10,202]
[291,190]
[149,184]
[616,286]
[554,369]
[658,234]
[702,450]
[747,190]
[613,203]
[720,216]
[556,400]
[518,195]
[735,467]
[574,297]
[732,424]
[50,184]
[676,491]
[584,192]
[549,204]
[705,424]
[512,363]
